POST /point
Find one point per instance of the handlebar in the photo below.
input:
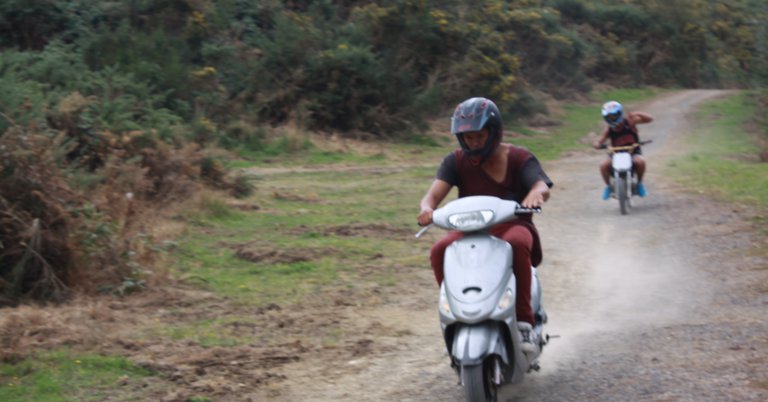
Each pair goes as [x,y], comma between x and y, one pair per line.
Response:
[627,148]
[518,211]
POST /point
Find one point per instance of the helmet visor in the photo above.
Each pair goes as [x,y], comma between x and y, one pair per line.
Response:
[613,118]
[462,123]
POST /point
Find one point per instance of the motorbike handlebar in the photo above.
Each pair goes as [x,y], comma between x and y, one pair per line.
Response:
[625,147]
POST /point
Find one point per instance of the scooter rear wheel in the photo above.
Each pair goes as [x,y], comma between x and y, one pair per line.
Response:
[478,383]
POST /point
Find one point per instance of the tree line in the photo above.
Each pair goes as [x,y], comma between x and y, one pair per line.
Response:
[218,67]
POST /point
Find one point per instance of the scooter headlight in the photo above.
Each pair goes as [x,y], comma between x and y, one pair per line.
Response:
[443,305]
[470,220]
[506,300]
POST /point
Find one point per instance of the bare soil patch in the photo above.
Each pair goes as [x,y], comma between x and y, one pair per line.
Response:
[378,230]
[263,253]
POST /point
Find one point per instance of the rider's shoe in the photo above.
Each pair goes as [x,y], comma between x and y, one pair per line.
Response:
[530,337]
[607,192]
[641,190]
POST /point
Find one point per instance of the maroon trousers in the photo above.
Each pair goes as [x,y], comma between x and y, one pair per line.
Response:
[521,239]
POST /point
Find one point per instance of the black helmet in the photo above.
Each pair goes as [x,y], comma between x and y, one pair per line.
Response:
[474,114]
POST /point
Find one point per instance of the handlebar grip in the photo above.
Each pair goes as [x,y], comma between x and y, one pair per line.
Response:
[423,230]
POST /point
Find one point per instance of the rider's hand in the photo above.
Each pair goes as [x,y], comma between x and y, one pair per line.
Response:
[425,217]
[534,199]
[596,145]
[537,196]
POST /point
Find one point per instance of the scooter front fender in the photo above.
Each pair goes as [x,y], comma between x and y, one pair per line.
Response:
[473,343]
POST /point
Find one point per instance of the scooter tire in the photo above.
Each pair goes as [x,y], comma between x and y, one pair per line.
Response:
[478,384]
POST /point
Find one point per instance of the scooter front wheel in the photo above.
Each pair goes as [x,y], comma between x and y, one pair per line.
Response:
[478,383]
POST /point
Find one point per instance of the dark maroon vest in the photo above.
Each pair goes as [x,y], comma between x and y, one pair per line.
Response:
[472,180]
[627,135]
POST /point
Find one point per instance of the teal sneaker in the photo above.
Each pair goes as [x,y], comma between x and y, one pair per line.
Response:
[607,192]
[641,190]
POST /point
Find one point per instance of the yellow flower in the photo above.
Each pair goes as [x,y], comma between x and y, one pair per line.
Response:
[199,18]
[204,72]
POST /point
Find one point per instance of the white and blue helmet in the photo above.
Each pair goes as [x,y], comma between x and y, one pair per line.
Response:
[613,113]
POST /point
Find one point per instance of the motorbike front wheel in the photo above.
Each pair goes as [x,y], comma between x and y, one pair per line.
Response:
[478,383]
[622,195]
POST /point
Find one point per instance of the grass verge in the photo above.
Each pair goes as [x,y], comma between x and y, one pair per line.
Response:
[723,158]
[65,375]
[310,232]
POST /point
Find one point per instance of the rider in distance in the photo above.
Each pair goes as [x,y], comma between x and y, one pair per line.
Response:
[622,131]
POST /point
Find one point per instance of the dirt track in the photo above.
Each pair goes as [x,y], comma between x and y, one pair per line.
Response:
[658,305]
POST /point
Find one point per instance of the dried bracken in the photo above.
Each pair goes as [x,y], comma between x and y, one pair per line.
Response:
[81,221]
[37,255]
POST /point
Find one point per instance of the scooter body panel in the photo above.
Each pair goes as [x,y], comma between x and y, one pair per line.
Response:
[476,269]
[478,293]
[478,275]
[473,343]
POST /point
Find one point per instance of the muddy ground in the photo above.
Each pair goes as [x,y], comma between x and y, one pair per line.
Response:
[668,303]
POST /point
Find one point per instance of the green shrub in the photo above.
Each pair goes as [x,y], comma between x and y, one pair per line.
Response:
[154,58]
[345,83]
[242,135]
[243,186]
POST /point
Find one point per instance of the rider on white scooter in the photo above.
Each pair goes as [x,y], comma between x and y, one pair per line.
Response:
[622,131]
[485,166]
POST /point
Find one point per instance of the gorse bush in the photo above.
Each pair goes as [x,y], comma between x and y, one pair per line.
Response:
[681,43]
[150,57]
[346,84]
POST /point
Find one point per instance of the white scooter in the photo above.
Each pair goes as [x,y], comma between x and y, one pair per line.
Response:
[477,298]
[623,176]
